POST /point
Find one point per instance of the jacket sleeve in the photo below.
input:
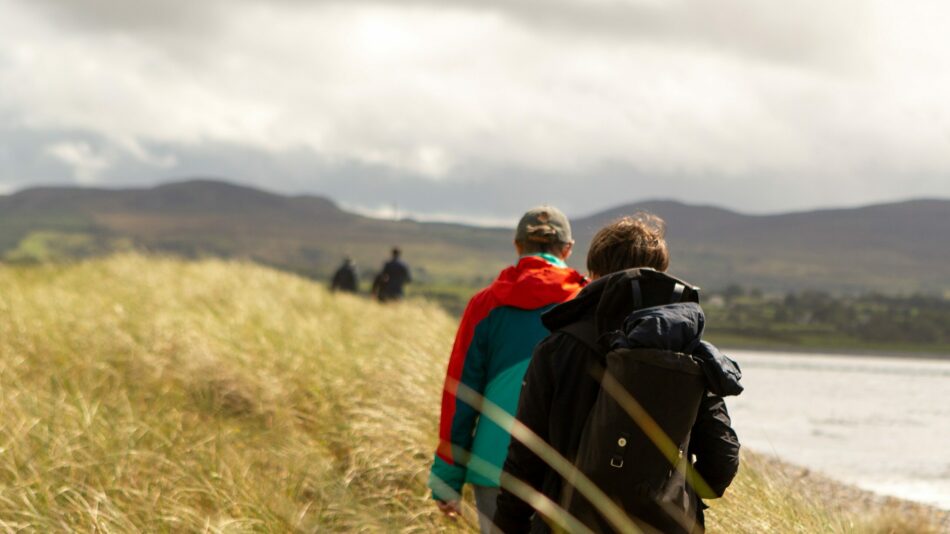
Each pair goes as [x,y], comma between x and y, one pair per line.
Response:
[446,480]
[715,445]
[534,405]
[477,309]
[448,471]
[474,378]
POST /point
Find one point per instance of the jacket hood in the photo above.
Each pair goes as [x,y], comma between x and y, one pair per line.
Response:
[610,299]
[657,324]
[679,328]
[534,282]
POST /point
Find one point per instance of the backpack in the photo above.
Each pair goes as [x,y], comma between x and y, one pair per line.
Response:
[639,461]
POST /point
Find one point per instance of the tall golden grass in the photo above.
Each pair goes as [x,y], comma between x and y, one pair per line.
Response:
[148,394]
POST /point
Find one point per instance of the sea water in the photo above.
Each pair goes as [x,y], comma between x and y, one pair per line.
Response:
[882,424]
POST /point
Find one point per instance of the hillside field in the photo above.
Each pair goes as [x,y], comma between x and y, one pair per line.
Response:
[899,248]
[149,394]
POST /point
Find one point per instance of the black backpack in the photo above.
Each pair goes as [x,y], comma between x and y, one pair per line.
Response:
[634,445]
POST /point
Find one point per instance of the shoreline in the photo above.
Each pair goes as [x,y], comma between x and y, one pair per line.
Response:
[837,351]
[843,492]
[849,498]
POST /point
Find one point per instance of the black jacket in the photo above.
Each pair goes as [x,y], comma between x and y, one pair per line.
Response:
[345,278]
[395,277]
[560,389]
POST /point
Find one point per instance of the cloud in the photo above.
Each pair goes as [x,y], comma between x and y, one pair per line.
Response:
[812,31]
[86,163]
[491,102]
[123,16]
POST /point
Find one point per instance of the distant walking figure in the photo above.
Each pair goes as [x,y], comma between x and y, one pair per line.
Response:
[345,278]
[395,276]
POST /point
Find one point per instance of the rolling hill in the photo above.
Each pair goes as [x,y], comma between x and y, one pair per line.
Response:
[898,247]
[305,234]
[889,248]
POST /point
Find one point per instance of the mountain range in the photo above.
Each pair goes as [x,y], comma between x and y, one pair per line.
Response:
[890,248]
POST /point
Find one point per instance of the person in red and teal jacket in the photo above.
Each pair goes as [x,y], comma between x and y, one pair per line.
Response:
[498,332]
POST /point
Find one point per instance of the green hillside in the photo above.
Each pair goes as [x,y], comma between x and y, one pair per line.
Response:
[147,394]
[202,218]
[895,248]
[902,247]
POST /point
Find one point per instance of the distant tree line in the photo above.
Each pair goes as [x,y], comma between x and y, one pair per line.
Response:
[811,319]
[871,318]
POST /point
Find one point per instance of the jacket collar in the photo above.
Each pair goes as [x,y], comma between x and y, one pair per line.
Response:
[609,299]
[534,282]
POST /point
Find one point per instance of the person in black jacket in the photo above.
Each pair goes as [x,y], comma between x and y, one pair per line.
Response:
[395,275]
[561,383]
[345,278]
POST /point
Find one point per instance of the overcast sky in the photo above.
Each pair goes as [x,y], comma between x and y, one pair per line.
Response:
[480,108]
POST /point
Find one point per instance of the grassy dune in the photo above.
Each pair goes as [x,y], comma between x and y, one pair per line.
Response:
[140,393]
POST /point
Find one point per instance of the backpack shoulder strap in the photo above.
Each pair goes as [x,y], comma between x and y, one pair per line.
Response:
[678,290]
[637,294]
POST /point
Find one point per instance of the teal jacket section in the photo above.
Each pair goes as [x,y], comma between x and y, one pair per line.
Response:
[495,364]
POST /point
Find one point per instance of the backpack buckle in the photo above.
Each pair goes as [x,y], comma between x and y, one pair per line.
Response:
[616,461]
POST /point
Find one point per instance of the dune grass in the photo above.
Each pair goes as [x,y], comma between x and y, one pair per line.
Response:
[149,394]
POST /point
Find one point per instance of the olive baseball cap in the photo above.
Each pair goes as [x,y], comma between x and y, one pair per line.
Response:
[544,224]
